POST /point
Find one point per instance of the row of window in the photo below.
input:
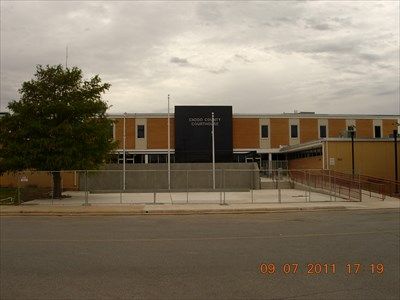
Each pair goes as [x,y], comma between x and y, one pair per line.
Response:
[304,153]
[118,158]
[140,132]
[294,131]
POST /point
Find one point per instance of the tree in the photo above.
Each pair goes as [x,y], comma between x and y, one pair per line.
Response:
[59,123]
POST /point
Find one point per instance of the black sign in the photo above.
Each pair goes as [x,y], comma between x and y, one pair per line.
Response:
[193,141]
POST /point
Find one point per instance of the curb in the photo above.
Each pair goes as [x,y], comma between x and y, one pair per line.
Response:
[170,211]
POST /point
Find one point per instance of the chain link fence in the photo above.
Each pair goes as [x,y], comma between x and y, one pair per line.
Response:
[222,186]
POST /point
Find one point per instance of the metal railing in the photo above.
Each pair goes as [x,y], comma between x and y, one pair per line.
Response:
[191,186]
[339,184]
[232,186]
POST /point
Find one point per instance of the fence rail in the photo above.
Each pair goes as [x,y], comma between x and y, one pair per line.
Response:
[194,186]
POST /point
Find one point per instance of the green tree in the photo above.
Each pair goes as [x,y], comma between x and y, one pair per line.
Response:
[59,123]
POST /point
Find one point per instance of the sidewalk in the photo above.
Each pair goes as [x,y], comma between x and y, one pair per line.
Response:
[198,208]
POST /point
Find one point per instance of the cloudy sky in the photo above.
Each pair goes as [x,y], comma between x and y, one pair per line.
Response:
[260,57]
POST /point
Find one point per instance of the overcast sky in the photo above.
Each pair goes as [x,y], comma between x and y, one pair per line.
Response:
[260,57]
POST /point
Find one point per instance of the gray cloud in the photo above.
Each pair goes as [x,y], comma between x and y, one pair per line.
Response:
[183,62]
[271,56]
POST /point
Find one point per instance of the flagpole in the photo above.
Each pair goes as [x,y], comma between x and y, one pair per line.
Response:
[213,149]
[169,150]
[124,143]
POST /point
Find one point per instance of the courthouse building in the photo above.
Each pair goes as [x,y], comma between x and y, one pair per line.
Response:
[305,140]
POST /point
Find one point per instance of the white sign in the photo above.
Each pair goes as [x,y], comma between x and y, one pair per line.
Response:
[24,179]
[331,161]
[199,121]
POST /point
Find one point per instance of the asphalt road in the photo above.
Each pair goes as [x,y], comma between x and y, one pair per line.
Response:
[202,256]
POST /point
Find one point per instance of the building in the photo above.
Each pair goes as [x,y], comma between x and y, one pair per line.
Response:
[305,139]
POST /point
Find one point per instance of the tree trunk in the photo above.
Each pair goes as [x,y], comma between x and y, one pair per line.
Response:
[56,185]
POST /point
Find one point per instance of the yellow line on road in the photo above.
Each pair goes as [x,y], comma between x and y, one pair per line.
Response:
[200,238]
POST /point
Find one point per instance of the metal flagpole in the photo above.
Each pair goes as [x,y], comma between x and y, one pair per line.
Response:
[124,143]
[169,150]
[213,149]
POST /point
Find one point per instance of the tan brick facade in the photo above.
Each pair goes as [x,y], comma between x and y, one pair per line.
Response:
[336,127]
[279,132]
[388,127]
[157,129]
[364,128]
[129,133]
[308,130]
[246,133]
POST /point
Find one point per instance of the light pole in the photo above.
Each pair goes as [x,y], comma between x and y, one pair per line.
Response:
[352,132]
[396,172]
[169,149]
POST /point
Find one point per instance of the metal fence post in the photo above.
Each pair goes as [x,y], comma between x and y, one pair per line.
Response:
[154,189]
[223,176]
[121,188]
[86,189]
[359,187]
[279,195]
[330,185]
[52,189]
[251,187]
[309,187]
[19,189]
[334,187]
[187,186]
[350,188]
[220,187]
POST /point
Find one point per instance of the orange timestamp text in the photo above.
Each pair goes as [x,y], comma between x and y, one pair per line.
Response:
[316,268]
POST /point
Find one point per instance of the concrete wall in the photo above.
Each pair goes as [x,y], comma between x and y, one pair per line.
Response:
[192,176]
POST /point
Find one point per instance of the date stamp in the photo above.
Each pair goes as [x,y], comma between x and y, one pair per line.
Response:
[317,268]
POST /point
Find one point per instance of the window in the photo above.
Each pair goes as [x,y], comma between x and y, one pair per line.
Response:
[322,131]
[153,158]
[264,131]
[140,131]
[377,131]
[162,158]
[139,158]
[293,131]
[237,157]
